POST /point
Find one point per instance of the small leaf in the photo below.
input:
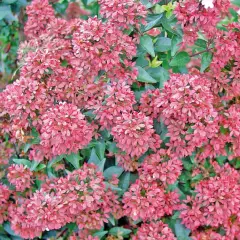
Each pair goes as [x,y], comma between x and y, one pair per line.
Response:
[101,164]
[206,60]
[4,11]
[120,231]
[163,44]
[34,165]
[8,229]
[24,162]
[147,44]
[100,149]
[181,59]
[114,170]
[9,1]
[153,22]
[175,45]
[236,2]
[100,234]
[143,76]
[94,158]
[160,74]
[74,159]
[181,231]
[124,181]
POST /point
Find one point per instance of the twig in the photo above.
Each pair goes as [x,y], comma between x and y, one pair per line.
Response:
[198,53]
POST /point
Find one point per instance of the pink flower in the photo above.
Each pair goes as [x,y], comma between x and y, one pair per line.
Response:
[99,46]
[124,13]
[81,197]
[150,195]
[154,230]
[40,13]
[216,203]
[160,166]
[64,130]
[4,196]
[20,177]
[119,100]
[134,134]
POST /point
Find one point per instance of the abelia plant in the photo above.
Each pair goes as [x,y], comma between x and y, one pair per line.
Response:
[123,123]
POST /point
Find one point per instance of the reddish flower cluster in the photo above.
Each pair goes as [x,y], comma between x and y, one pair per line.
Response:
[81,197]
[20,177]
[150,189]
[125,13]
[154,230]
[4,196]
[64,130]
[135,134]
[216,203]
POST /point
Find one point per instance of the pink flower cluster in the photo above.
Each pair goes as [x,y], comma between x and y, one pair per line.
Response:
[216,203]
[149,191]
[20,176]
[186,104]
[64,130]
[154,230]
[4,202]
[81,197]
[125,13]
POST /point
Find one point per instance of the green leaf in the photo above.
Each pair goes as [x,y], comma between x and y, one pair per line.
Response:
[143,76]
[74,159]
[160,74]
[153,22]
[147,44]
[100,234]
[181,231]
[9,1]
[51,163]
[34,165]
[94,158]
[4,11]
[175,44]
[8,229]
[120,231]
[100,149]
[114,170]
[24,162]
[201,43]
[236,2]
[163,44]
[141,61]
[101,164]
[206,60]
[181,59]
[124,181]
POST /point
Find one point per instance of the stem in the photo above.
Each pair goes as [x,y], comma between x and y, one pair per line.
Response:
[198,53]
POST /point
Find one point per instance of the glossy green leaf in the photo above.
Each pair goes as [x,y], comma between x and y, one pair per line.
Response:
[124,181]
[181,231]
[114,170]
[143,76]
[206,61]
[24,162]
[147,44]
[74,159]
[163,44]
[120,231]
[180,59]
[153,21]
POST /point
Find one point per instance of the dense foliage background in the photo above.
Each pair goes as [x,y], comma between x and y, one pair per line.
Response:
[119,119]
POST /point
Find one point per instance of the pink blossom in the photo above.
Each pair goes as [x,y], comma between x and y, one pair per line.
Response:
[64,130]
[20,177]
[154,230]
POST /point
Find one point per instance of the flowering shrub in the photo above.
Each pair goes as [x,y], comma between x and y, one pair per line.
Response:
[124,123]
